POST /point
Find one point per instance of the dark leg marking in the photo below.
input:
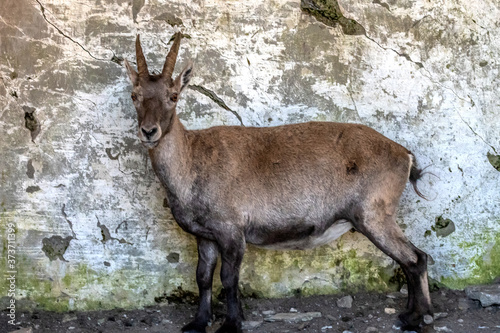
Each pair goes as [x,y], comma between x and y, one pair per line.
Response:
[207,260]
[232,255]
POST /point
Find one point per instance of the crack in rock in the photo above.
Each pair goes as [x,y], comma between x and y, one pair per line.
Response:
[470,101]
[42,9]
[472,130]
[213,96]
[400,54]
[329,13]
[67,220]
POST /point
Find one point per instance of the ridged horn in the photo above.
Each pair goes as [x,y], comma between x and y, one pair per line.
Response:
[142,67]
[168,67]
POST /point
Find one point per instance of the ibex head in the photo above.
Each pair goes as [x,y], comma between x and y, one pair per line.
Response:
[155,96]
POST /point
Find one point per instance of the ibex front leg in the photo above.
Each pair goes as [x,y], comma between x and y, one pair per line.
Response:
[207,259]
[232,251]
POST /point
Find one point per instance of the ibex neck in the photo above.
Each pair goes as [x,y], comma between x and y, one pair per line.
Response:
[171,158]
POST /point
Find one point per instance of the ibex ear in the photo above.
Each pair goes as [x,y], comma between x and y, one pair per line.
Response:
[182,80]
[132,74]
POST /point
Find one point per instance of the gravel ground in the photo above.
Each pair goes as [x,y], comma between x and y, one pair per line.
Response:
[368,312]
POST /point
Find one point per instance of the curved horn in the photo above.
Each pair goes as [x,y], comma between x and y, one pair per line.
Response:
[168,67]
[142,67]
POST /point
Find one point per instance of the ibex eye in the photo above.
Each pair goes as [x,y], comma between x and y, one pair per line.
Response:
[134,96]
[174,97]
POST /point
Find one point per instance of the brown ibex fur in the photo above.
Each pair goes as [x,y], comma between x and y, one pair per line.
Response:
[292,187]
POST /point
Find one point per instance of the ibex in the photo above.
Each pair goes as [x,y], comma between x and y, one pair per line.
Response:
[286,187]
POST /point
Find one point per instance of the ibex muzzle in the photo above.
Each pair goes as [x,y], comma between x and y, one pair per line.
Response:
[287,187]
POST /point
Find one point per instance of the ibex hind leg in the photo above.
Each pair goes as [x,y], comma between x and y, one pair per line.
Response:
[386,234]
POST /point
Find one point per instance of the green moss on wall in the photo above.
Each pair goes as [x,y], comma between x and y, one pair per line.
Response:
[324,270]
[486,266]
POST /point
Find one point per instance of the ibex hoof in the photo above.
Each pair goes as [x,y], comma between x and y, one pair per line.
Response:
[229,328]
[194,327]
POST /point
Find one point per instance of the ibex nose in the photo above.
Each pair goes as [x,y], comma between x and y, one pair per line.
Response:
[149,133]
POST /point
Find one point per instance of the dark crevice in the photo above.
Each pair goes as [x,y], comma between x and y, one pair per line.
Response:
[494,160]
[30,122]
[55,246]
[169,18]
[210,94]
[30,172]
[33,189]
[117,59]
[111,157]
[106,235]
[42,8]
[119,226]
[67,220]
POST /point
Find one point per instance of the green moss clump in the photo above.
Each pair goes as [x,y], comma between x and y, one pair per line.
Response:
[329,13]
[486,268]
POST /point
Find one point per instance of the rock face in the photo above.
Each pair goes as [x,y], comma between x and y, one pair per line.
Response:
[92,228]
[487,295]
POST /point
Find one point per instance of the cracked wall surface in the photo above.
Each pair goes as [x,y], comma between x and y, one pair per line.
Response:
[93,227]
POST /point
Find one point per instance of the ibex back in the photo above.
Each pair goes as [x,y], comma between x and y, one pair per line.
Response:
[286,187]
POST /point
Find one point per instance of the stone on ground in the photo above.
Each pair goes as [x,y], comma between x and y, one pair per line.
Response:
[250,325]
[486,294]
[345,302]
[293,317]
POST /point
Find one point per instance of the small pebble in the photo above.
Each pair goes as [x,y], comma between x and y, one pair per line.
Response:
[390,310]
[463,304]
[428,319]
[439,315]
[330,317]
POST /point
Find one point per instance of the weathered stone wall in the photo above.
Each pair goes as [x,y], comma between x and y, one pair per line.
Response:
[91,227]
